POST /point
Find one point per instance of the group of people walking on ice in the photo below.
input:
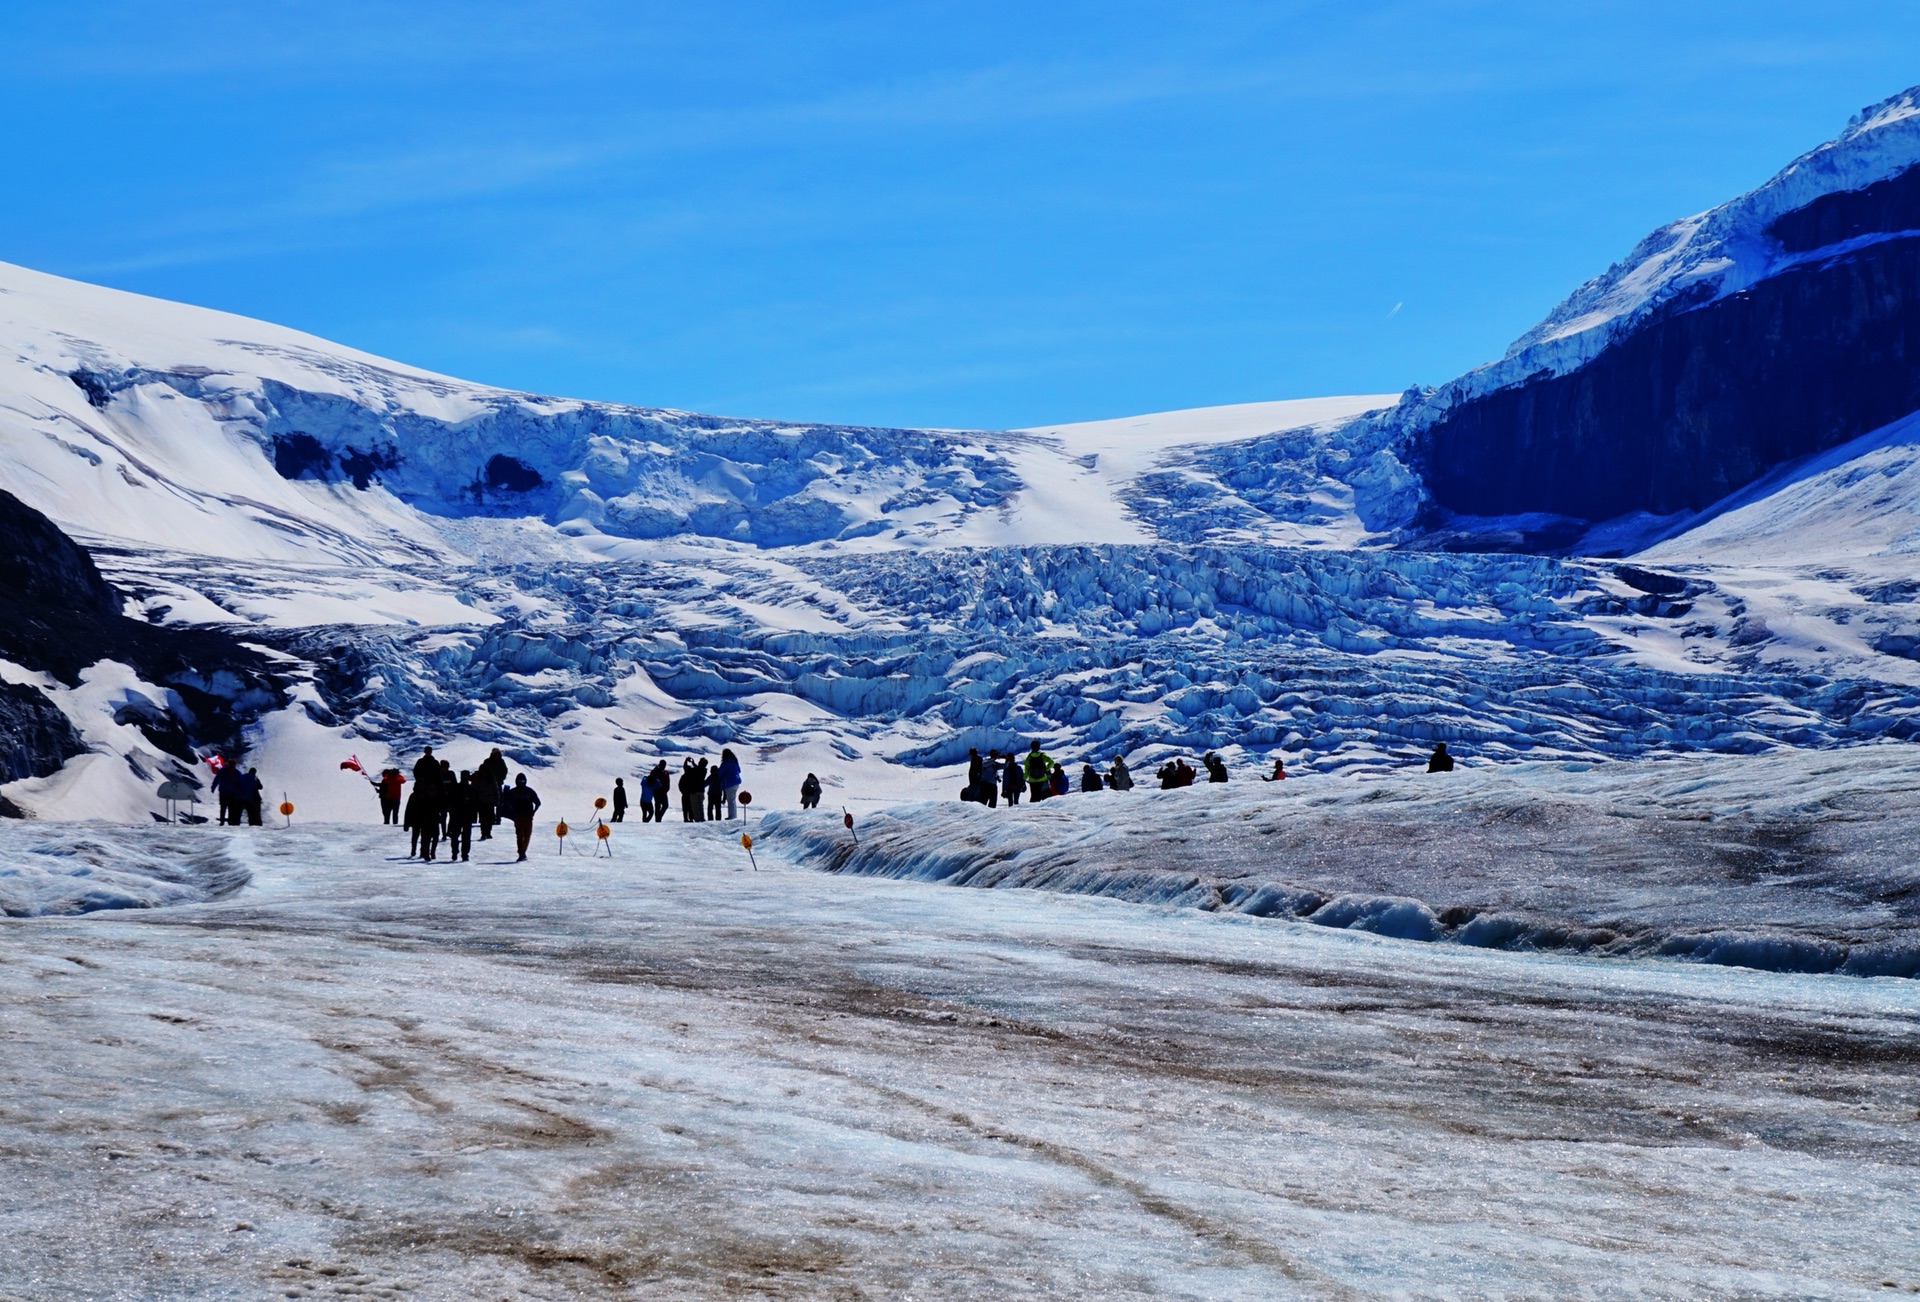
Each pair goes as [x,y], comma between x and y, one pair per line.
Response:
[994,777]
[443,807]
[709,790]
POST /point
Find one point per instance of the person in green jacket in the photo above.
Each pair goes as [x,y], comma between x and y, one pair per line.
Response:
[1039,773]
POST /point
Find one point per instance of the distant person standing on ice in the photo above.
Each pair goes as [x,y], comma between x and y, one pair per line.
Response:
[975,777]
[1090,779]
[729,778]
[1058,783]
[426,771]
[429,812]
[1011,784]
[389,786]
[1279,773]
[1439,761]
[990,780]
[619,801]
[1216,767]
[487,781]
[1169,776]
[715,792]
[662,790]
[520,804]
[1119,779]
[693,790]
[226,785]
[810,793]
[1039,768]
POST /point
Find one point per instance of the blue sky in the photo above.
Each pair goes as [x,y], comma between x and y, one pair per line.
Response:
[969,214]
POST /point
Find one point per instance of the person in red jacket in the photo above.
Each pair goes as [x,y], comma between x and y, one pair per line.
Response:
[387,787]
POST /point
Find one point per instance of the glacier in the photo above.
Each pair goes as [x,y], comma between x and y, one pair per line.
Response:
[1621,1006]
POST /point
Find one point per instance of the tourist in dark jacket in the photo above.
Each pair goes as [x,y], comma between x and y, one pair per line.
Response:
[810,793]
[619,801]
[730,779]
[520,803]
[429,812]
[1216,767]
[461,810]
[662,791]
[1090,779]
[227,786]
[715,792]
[693,790]
[252,792]
[1119,779]
[1440,761]
[488,779]
[1012,783]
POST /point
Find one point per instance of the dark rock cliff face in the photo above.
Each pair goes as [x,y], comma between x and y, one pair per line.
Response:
[58,616]
[1705,399]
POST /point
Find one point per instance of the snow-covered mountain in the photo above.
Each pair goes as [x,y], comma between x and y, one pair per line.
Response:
[1774,328]
[411,558]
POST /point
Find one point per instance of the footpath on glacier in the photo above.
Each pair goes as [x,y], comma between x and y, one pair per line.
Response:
[667,1073]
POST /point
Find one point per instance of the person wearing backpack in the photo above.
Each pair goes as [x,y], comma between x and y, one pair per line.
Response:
[1039,768]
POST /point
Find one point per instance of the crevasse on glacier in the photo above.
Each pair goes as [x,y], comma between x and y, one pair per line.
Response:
[1341,658]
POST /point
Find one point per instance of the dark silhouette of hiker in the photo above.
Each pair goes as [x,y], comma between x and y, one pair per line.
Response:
[1120,779]
[990,780]
[693,790]
[251,793]
[227,786]
[619,801]
[1279,773]
[971,792]
[426,770]
[462,807]
[429,809]
[810,793]
[729,778]
[1216,767]
[1011,781]
[716,791]
[1439,761]
[662,790]
[1090,779]
[519,804]
[488,779]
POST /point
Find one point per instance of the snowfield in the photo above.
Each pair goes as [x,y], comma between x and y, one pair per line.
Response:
[667,1075]
[1802,861]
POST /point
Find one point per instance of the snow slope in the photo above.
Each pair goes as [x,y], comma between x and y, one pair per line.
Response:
[133,420]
